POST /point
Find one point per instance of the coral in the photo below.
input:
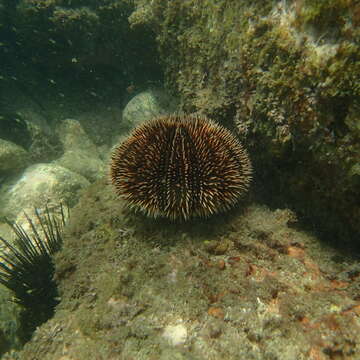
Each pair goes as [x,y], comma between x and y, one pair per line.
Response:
[181,166]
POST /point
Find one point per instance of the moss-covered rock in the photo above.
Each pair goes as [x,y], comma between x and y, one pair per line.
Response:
[288,74]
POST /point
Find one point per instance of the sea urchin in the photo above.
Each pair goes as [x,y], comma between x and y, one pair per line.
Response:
[181,166]
[26,268]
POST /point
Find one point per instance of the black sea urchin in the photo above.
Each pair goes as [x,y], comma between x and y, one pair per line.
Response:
[27,269]
[181,166]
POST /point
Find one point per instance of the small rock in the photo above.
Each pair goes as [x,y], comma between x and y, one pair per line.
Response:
[221,264]
[217,247]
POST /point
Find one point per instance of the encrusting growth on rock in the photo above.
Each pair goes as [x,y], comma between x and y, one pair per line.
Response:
[180,167]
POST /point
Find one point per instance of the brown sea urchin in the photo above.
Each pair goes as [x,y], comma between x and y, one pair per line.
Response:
[181,166]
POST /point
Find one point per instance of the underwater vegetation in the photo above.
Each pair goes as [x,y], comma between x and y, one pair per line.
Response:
[181,166]
[27,269]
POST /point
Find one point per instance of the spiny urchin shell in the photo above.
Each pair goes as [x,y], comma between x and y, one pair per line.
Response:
[26,268]
[181,166]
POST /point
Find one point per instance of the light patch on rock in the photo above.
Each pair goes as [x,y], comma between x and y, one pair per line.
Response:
[175,334]
[318,50]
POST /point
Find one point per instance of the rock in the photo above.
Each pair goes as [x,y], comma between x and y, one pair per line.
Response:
[147,105]
[81,163]
[44,144]
[73,137]
[80,153]
[40,184]
[12,157]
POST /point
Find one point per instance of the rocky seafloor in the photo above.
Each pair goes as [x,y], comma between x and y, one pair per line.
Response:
[249,284]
